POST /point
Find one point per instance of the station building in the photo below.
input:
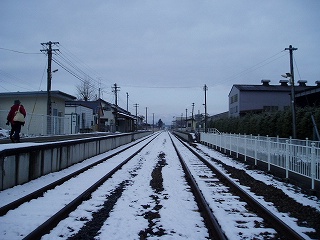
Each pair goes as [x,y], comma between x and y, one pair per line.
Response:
[68,116]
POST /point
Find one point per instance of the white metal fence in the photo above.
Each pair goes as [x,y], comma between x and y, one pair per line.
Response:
[39,125]
[298,156]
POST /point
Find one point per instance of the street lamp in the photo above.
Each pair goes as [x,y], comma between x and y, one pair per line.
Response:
[293,107]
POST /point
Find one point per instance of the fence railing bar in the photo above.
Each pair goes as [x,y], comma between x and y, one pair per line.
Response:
[298,156]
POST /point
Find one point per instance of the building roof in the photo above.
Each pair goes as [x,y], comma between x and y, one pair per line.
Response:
[77,103]
[94,105]
[309,97]
[57,94]
[125,115]
[308,91]
[97,104]
[269,88]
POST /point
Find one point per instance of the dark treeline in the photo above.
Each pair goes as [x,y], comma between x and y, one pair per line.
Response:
[272,123]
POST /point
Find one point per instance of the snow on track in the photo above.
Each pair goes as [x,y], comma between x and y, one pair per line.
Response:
[174,205]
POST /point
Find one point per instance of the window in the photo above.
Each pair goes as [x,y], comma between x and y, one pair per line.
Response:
[83,120]
[234,109]
[234,98]
[270,108]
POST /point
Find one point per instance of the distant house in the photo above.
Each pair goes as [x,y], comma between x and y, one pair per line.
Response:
[179,123]
[245,98]
[105,116]
[218,116]
[191,124]
[124,119]
[35,103]
[81,116]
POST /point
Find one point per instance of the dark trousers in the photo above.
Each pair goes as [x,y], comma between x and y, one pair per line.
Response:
[15,131]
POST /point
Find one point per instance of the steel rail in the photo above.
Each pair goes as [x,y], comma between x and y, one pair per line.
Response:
[64,212]
[214,229]
[276,222]
[39,192]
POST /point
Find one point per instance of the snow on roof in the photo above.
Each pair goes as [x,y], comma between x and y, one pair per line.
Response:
[54,93]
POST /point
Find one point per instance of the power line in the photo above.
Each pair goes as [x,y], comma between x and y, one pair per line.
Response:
[256,66]
[16,51]
[260,64]
[74,66]
[158,87]
[67,69]
[75,74]
[77,59]
[74,71]
[12,80]
[74,59]
[295,63]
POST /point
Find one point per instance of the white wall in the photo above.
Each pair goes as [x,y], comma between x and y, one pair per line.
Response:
[36,108]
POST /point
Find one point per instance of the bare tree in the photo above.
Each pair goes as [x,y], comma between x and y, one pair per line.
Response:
[85,90]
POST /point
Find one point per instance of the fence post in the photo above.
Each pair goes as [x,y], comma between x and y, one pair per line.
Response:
[238,137]
[218,140]
[231,137]
[27,122]
[278,150]
[255,150]
[245,147]
[268,152]
[225,143]
[287,159]
[313,164]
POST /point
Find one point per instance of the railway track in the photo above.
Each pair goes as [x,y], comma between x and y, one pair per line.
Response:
[39,192]
[76,198]
[222,188]
[145,190]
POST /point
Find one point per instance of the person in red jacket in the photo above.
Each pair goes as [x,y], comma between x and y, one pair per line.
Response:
[15,125]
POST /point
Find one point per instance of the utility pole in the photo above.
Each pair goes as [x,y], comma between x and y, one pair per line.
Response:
[115,90]
[205,88]
[127,101]
[293,106]
[192,117]
[48,49]
[136,105]
[146,118]
[186,119]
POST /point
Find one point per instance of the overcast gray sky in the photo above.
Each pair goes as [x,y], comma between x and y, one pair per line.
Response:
[161,52]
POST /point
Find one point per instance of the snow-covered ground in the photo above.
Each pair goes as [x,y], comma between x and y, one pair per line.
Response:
[4,133]
[289,189]
[178,214]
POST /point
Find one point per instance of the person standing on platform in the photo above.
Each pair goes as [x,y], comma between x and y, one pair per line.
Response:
[16,117]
